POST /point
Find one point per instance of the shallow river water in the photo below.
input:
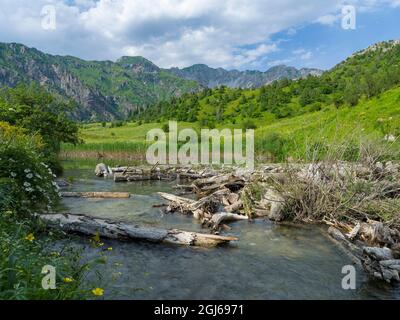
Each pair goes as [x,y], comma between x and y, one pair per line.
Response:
[268,262]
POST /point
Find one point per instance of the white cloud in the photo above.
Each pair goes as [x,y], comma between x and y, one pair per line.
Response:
[306,56]
[223,33]
[328,19]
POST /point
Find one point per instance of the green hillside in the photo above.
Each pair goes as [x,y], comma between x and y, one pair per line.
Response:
[354,104]
[365,75]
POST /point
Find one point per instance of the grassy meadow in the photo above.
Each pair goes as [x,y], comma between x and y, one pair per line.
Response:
[275,139]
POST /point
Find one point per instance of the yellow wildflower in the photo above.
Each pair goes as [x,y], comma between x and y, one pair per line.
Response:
[30,237]
[98,291]
[67,280]
[109,249]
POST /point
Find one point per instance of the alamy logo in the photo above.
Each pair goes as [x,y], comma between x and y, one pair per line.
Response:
[49,18]
[349,18]
[349,280]
[187,147]
[49,280]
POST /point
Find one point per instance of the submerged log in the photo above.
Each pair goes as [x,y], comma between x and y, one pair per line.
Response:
[122,231]
[104,195]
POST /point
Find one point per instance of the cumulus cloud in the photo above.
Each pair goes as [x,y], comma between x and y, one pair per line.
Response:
[223,33]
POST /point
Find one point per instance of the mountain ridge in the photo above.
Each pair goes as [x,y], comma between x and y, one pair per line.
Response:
[108,90]
[215,77]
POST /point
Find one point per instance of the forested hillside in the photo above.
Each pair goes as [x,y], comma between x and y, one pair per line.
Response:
[364,75]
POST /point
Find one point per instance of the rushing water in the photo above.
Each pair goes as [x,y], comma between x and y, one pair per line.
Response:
[268,262]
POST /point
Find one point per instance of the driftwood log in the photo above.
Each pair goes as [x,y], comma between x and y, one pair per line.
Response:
[205,209]
[112,195]
[218,218]
[204,187]
[122,231]
[124,174]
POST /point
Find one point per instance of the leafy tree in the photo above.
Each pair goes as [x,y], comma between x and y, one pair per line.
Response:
[351,95]
[34,109]
[39,113]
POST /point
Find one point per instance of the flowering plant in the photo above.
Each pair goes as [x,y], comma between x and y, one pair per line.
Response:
[26,182]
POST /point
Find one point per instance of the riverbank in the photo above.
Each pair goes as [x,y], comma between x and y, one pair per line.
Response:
[270,260]
[359,201]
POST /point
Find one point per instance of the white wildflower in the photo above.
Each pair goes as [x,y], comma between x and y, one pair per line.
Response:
[27,170]
[27,184]
[29,175]
[13,174]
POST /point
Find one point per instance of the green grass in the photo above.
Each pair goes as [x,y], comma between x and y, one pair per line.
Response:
[370,119]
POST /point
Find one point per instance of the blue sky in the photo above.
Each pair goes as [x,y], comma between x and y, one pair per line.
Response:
[233,34]
[323,46]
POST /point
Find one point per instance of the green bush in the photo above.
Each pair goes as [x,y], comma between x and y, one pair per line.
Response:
[27,187]
[25,178]
[39,113]
[24,253]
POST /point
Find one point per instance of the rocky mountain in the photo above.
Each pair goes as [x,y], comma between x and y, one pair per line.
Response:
[102,90]
[212,78]
[106,90]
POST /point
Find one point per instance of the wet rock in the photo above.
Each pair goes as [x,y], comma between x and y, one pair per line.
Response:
[275,203]
[379,263]
[101,170]
[396,250]
[391,264]
[336,234]
[378,253]
[62,183]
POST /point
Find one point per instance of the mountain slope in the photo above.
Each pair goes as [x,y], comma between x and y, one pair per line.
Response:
[212,78]
[363,76]
[106,90]
[102,90]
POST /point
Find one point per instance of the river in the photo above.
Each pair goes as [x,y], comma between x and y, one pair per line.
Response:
[268,262]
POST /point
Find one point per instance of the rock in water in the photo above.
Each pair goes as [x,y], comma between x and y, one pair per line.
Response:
[379,263]
[378,253]
[101,170]
[396,250]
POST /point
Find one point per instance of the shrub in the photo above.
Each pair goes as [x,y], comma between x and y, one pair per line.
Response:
[23,254]
[25,178]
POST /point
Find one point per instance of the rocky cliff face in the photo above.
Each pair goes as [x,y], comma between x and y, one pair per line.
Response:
[102,90]
[212,78]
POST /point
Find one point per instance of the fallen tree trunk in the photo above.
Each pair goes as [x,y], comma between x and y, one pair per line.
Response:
[234,207]
[203,208]
[112,195]
[218,218]
[204,187]
[122,231]
[179,200]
